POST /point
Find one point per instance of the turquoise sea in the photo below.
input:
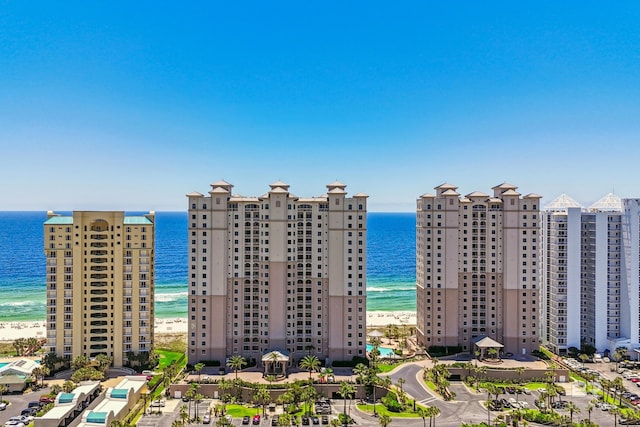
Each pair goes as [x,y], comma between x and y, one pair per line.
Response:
[390,269]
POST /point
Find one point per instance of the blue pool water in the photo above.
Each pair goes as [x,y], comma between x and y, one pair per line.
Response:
[384,351]
[3,364]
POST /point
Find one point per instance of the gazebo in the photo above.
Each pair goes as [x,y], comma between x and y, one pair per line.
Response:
[275,363]
[485,343]
[375,334]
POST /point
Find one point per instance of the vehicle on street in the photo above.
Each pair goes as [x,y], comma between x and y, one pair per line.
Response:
[315,420]
[47,399]
[35,404]
[206,419]
[256,419]
[14,424]
[245,420]
[3,406]
[275,420]
[160,403]
[325,419]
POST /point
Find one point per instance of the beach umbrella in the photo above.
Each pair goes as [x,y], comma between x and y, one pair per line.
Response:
[375,334]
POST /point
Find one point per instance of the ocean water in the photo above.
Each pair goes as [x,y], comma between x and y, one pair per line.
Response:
[390,264]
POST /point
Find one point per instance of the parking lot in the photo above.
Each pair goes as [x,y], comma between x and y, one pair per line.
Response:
[18,402]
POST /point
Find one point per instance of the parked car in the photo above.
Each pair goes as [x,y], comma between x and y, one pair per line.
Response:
[47,399]
[246,419]
[3,406]
[275,420]
[206,419]
[160,403]
[315,420]
[14,424]
[305,420]
[325,419]
[35,404]
[256,419]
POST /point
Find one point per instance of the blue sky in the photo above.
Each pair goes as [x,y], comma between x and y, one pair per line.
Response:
[131,105]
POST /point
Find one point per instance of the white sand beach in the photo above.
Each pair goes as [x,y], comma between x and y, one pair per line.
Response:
[379,319]
[11,331]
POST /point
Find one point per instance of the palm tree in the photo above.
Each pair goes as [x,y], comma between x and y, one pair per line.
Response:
[384,420]
[37,373]
[236,362]
[271,379]
[573,409]
[615,412]
[618,386]
[104,362]
[3,389]
[184,416]
[434,411]
[197,398]
[68,386]
[262,397]
[310,363]
[620,354]
[385,382]
[361,371]
[590,406]
[400,383]
[346,390]
[493,352]
[423,413]
[198,368]
[583,358]
[308,396]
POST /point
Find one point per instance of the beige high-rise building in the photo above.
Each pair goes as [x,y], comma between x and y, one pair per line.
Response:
[277,272]
[478,268]
[100,284]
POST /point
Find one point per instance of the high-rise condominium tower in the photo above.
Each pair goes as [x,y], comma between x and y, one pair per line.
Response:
[478,268]
[277,272]
[591,274]
[99,284]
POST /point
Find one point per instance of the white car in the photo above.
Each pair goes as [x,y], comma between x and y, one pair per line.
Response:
[14,424]
[3,406]
[158,403]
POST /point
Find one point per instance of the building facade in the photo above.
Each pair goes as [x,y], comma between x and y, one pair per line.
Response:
[277,272]
[477,268]
[100,284]
[590,274]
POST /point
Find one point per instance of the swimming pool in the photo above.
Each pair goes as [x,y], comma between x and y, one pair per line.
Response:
[384,351]
[3,364]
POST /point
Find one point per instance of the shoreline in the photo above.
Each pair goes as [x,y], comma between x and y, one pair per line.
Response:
[11,331]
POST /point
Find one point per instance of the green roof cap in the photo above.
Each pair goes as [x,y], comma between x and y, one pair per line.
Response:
[137,220]
[96,417]
[66,397]
[59,220]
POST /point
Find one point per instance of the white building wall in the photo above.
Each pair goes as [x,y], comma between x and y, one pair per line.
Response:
[573,242]
[630,292]
[602,252]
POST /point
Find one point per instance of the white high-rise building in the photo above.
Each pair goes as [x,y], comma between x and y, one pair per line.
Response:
[277,272]
[590,274]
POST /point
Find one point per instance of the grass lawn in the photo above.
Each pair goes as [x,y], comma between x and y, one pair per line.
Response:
[382,410]
[239,411]
[166,356]
[384,368]
[431,385]
[535,385]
